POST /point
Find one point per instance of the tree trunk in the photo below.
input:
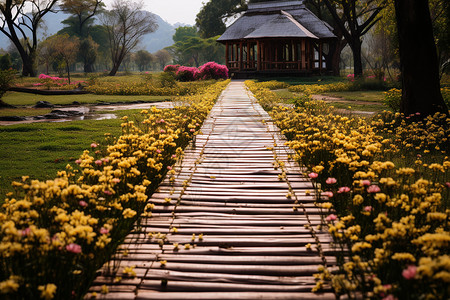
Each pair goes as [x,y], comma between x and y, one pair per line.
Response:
[357,58]
[418,60]
[88,68]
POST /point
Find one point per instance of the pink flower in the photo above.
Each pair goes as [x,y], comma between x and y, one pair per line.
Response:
[368,208]
[105,160]
[390,297]
[103,230]
[409,272]
[331,180]
[98,162]
[74,248]
[83,203]
[313,175]
[365,182]
[162,131]
[162,121]
[158,151]
[78,161]
[174,156]
[192,130]
[329,194]
[373,189]
[447,184]
[344,189]
[331,217]
[169,168]
[106,192]
[116,180]
[26,231]
[94,145]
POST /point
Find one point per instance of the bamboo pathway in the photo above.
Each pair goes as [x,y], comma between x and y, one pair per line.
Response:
[250,238]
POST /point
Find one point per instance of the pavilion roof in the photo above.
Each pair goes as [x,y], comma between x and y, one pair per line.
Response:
[284,19]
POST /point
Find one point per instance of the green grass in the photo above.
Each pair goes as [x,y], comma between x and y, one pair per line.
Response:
[24,112]
[23,99]
[40,150]
[369,96]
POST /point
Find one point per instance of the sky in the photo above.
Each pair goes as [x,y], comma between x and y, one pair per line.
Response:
[172,11]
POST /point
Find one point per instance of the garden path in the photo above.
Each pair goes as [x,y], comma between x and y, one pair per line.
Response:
[231,231]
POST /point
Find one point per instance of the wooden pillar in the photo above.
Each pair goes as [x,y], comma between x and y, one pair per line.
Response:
[249,57]
[241,55]
[304,54]
[227,55]
[259,55]
[320,55]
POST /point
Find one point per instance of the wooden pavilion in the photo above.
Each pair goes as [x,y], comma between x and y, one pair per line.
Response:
[278,38]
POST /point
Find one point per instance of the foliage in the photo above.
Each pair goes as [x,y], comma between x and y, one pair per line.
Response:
[126,23]
[384,187]
[212,70]
[355,19]
[143,58]
[171,68]
[56,234]
[5,62]
[393,98]
[7,77]
[194,51]
[83,11]
[154,87]
[186,74]
[19,21]
[184,32]
[163,56]
[273,85]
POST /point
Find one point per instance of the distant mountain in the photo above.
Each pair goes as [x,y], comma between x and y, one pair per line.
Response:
[152,42]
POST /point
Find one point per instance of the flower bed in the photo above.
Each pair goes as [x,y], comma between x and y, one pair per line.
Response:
[384,189]
[56,234]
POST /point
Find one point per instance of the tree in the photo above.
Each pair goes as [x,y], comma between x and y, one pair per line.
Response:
[418,59]
[143,59]
[163,57]
[354,19]
[319,8]
[88,52]
[83,11]
[126,23]
[66,47]
[183,32]
[20,21]
[210,19]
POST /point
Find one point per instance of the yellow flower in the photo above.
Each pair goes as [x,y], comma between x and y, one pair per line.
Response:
[128,213]
[9,286]
[47,291]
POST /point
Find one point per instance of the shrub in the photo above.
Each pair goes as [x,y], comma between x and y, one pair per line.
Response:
[212,70]
[6,78]
[393,98]
[167,79]
[171,68]
[187,73]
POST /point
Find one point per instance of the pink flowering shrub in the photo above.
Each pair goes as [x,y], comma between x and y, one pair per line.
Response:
[186,73]
[212,70]
[171,68]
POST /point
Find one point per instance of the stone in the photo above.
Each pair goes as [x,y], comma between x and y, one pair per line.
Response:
[43,104]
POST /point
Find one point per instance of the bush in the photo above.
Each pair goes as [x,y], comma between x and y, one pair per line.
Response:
[167,79]
[187,73]
[212,70]
[6,78]
[171,68]
[393,98]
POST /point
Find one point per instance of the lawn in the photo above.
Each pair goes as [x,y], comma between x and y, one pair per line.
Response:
[25,99]
[367,96]
[42,149]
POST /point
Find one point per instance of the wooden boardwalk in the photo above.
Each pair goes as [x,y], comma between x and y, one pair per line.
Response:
[236,226]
